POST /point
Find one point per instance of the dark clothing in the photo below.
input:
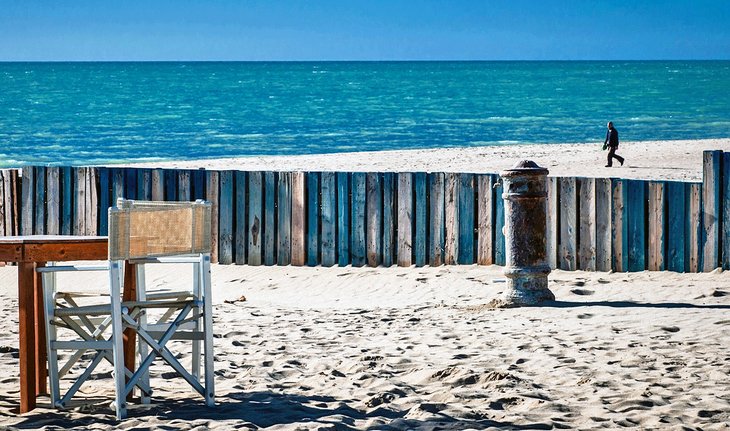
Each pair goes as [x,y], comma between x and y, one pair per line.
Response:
[612,155]
[612,141]
[612,138]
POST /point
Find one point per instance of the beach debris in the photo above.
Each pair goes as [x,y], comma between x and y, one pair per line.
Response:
[241,298]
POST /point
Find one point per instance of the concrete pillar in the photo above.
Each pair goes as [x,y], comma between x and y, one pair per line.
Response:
[525,198]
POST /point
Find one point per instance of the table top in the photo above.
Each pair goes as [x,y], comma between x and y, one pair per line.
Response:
[53,248]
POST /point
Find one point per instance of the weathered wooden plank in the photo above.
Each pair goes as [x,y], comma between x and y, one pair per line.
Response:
[500,248]
[5,194]
[436,216]
[81,198]
[212,195]
[343,218]
[619,225]
[255,217]
[466,219]
[240,219]
[636,212]
[92,203]
[711,209]
[17,192]
[603,224]
[586,258]
[313,216]
[28,200]
[225,217]
[551,220]
[657,235]
[567,258]
[67,197]
[485,212]
[405,219]
[357,220]
[676,220]
[170,185]
[130,183]
[269,209]
[144,184]
[420,218]
[284,218]
[329,219]
[197,180]
[374,205]
[157,178]
[725,238]
[39,225]
[184,192]
[298,219]
[4,208]
[694,227]
[451,222]
[389,218]
[105,193]
[53,201]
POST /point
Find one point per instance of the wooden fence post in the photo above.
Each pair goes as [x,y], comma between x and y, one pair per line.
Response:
[711,209]
[374,205]
[603,224]
[313,219]
[567,258]
[657,219]
[725,198]
[357,219]
[694,227]
[451,213]
[405,218]
[329,219]
[255,221]
[298,218]
[485,211]
[586,258]
[619,225]
[436,215]
[466,219]
[676,220]
[420,218]
[343,218]
[241,219]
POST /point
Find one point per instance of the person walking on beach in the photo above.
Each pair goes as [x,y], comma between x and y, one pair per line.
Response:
[612,142]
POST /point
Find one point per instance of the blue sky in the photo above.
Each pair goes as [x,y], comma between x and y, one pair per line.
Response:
[364,30]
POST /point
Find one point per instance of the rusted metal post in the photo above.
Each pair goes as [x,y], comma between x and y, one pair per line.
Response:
[527,269]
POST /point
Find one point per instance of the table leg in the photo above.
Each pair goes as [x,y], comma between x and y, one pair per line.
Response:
[41,371]
[130,337]
[27,335]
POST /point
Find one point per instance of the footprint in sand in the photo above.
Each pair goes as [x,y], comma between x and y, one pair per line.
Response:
[581,292]
[585,316]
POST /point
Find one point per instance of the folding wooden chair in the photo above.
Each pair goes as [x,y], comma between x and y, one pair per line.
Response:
[143,233]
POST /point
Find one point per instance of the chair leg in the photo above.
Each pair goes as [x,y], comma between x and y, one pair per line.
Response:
[142,348]
[118,347]
[208,333]
[197,274]
[49,291]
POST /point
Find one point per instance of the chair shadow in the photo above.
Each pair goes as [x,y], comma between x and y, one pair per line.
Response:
[630,304]
[265,409]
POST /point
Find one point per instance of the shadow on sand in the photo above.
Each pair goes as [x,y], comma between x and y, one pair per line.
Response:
[631,304]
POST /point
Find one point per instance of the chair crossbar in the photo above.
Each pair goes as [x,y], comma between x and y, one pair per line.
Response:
[70,268]
[85,310]
[193,258]
[76,344]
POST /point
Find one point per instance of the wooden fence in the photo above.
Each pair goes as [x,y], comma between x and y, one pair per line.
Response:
[342,218]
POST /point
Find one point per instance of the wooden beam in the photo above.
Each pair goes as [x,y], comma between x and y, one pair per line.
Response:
[436,217]
[28,200]
[451,214]
[657,234]
[466,219]
[619,225]
[240,217]
[603,224]
[374,204]
[500,255]
[711,209]
[343,219]
[329,219]
[567,258]
[269,209]
[225,217]
[255,218]
[677,211]
[284,218]
[694,227]
[212,196]
[389,218]
[357,219]
[420,219]
[53,201]
[298,219]
[636,212]
[586,224]
[405,219]
[313,219]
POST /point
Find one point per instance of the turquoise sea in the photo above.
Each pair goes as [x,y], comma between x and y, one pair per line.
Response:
[95,113]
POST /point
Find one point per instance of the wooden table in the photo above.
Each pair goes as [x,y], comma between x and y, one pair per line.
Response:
[31,252]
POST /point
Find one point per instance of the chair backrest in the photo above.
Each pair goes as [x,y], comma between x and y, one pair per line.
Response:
[141,229]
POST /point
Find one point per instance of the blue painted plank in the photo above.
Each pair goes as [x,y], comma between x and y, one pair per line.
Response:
[240,219]
[130,183]
[144,184]
[725,235]
[184,185]
[39,226]
[312,196]
[170,177]
[269,230]
[421,217]
[437,227]
[636,212]
[343,218]
[105,192]
[389,219]
[225,217]
[198,184]
[466,219]
[499,241]
[711,210]
[357,249]
[67,196]
[284,213]
[329,219]
[255,217]
[676,215]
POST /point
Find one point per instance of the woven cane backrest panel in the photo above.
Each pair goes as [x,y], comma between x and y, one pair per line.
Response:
[139,229]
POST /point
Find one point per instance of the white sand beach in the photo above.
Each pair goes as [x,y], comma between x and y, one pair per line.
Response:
[301,348]
[413,348]
[667,160]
